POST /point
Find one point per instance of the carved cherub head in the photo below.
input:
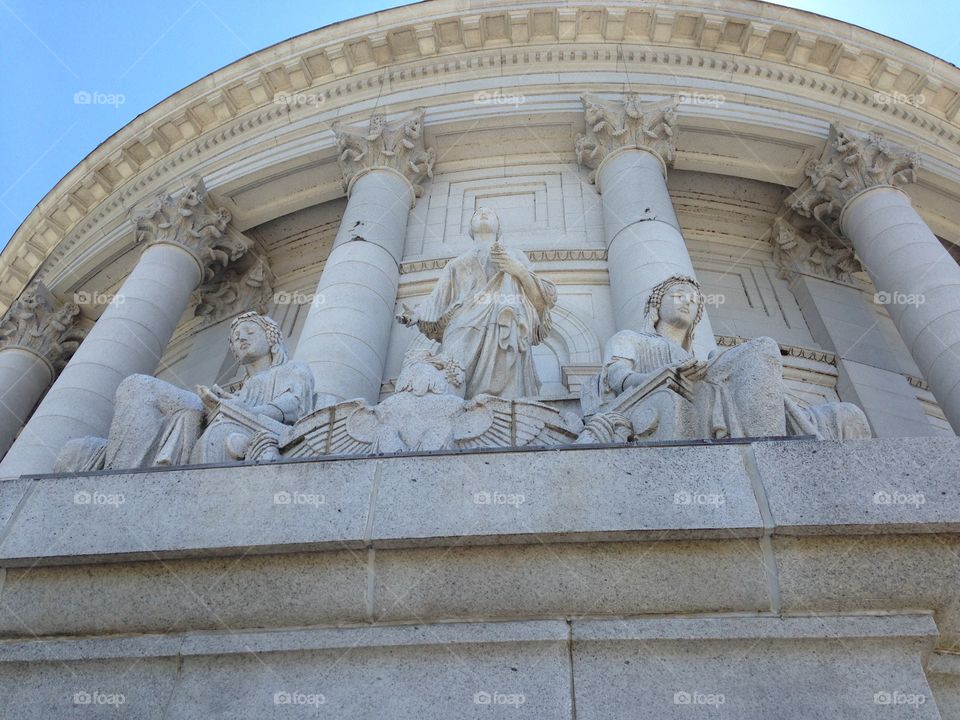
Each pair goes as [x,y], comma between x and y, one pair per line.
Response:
[484,224]
[424,372]
[254,336]
[678,300]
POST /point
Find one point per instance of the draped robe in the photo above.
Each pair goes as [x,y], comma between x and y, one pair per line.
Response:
[484,320]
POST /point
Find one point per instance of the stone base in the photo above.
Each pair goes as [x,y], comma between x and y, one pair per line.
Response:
[789,579]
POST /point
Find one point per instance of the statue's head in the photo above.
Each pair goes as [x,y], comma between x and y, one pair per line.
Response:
[677,301]
[484,223]
[425,372]
[254,336]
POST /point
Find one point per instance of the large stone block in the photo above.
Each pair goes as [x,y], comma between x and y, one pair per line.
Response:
[753,668]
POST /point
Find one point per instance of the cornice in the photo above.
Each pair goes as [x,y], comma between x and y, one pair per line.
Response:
[350,61]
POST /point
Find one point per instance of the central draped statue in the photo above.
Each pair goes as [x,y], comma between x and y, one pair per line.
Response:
[487,311]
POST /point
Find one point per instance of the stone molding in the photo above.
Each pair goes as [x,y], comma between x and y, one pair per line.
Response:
[797,351]
[35,322]
[612,126]
[816,55]
[850,164]
[549,255]
[396,145]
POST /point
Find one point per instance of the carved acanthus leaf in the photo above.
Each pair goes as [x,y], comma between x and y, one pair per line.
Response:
[850,163]
[190,220]
[240,287]
[397,145]
[813,250]
[611,125]
[36,323]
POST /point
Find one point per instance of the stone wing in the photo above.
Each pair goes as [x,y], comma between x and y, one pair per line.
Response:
[328,432]
[488,421]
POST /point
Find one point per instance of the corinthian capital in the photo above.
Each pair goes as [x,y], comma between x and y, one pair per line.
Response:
[37,323]
[396,145]
[611,125]
[189,219]
[850,163]
[811,250]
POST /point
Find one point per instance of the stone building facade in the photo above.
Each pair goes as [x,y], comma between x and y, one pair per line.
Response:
[804,175]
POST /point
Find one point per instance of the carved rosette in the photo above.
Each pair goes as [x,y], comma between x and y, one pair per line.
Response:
[396,145]
[813,250]
[37,323]
[189,220]
[850,163]
[612,125]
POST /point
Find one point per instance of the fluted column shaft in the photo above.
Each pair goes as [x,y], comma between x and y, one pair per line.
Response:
[24,376]
[130,337]
[918,281]
[347,330]
[644,243]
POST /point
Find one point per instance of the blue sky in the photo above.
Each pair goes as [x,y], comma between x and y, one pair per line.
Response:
[142,52]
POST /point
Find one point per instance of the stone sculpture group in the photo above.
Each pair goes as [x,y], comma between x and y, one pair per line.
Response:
[477,389]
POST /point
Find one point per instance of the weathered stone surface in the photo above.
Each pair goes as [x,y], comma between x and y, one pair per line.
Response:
[175,512]
[570,579]
[655,493]
[943,673]
[228,593]
[865,486]
[753,668]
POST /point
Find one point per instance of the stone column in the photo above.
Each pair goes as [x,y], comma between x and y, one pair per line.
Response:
[840,315]
[184,238]
[347,329]
[853,190]
[36,340]
[629,148]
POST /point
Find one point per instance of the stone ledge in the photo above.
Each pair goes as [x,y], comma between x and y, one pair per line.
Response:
[615,494]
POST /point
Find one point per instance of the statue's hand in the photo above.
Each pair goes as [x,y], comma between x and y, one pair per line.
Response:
[504,263]
[210,401]
[221,393]
[693,369]
[406,316]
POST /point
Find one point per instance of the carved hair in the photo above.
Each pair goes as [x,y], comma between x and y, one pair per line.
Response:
[278,345]
[651,311]
[493,212]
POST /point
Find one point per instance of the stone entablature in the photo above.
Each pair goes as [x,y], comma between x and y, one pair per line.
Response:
[791,50]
